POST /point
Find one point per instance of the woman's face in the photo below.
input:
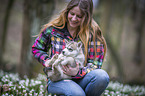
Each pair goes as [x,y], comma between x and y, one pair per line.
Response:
[75,17]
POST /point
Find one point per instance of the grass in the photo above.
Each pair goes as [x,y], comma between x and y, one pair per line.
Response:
[12,85]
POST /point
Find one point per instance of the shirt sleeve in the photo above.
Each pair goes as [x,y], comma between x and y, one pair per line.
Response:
[41,46]
[92,64]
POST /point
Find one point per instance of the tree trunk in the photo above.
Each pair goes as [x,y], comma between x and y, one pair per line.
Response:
[33,15]
[3,33]
[107,19]
[127,51]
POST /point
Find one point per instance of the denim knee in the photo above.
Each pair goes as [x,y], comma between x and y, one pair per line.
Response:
[99,80]
[101,76]
[65,88]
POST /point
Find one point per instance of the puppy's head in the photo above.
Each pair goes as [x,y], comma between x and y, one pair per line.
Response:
[72,48]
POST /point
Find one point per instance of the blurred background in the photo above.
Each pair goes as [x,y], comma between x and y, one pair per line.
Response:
[122,23]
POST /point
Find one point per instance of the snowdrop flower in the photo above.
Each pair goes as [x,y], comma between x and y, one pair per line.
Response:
[6,94]
[38,82]
[1,73]
[20,87]
[27,82]
[117,92]
[41,86]
[23,86]
[20,93]
[41,77]
[106,91]
[25,76]
[24,91]
[25,94]
[40,94]
[14,88]
[32,81]
[14,77]
[6,76]
[32,91]
[112,92]
[10,83]
[9,89]
[21,82]
[35,94]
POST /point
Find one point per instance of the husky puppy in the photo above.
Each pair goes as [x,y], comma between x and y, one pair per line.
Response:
[70,55]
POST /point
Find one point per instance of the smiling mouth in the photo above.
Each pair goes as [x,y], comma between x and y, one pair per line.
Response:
[74,22]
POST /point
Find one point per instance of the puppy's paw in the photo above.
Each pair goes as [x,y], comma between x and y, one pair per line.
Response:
[61,59]
[47,63]
[55,56]
[53,67]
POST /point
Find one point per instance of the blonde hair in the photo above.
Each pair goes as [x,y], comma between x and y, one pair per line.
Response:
[87,26]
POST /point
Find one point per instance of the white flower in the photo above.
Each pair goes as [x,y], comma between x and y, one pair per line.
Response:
[40,94]
[41,86]
[6,94]
[14,88]
[1,73]
[38,82]
[10,83]
[24,91]
[25,76]
[41,77]
[22,82]
[35,94]
[6,76]
[23,86]
[20,87]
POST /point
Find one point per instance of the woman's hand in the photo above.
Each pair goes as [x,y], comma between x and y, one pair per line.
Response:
[68,70]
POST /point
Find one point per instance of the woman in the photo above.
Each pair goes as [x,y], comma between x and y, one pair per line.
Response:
[75,23]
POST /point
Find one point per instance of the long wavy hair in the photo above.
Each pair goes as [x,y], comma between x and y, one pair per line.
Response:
[87,26]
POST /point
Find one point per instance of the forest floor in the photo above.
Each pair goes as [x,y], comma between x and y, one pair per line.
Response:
[12,85]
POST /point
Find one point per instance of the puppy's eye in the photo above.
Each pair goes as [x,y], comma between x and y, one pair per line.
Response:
[70,49]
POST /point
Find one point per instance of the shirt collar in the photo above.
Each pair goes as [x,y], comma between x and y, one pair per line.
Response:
[66,33]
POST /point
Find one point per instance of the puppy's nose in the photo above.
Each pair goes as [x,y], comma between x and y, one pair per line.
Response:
[63,52]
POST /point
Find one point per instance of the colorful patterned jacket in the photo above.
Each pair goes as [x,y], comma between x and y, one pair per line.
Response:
[51,41]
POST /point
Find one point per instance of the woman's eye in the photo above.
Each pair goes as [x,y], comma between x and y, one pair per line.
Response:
[79,16]
[71,13]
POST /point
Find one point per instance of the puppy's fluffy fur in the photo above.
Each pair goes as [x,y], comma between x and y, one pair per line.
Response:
[70,55]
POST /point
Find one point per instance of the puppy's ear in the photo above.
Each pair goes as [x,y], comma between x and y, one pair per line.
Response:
[79,44]
[66,41]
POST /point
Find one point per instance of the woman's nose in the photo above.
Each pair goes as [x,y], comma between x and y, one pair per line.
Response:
[74,18]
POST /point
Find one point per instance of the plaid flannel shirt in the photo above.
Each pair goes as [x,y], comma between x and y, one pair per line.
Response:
[51,41]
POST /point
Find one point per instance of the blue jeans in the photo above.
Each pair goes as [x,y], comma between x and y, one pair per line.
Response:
[93,84]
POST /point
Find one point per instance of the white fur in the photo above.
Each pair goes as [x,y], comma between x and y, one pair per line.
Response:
[70,55]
